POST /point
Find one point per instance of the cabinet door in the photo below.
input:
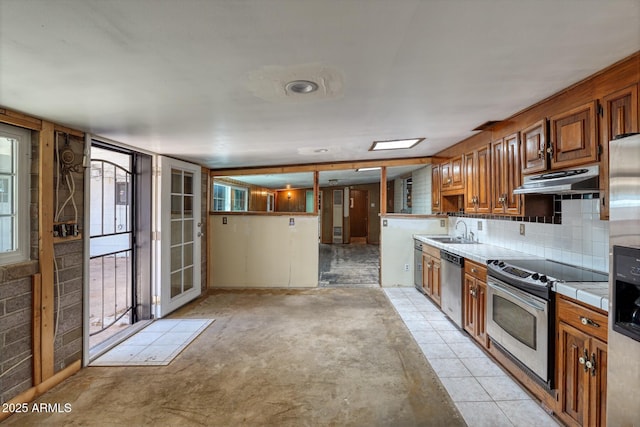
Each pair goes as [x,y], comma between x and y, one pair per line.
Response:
[620,117]
[512,174]
[457,173]
[534,148]
[598,384]
[446,179]
[497,177]
[572,377]
[481,313]
[482,177]
[435,281]
[469,305]
[471,183]
[426,274]
[573,137]
[435,189]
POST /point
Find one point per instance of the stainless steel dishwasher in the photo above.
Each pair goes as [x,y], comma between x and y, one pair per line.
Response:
[452,276]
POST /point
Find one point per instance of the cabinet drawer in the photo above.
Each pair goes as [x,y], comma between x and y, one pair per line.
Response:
[476,270]
[431,250]
[582,318]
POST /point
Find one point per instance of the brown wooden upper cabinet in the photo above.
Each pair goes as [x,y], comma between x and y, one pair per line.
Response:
[477,194]
[506,175]
[534,148]
[574,139]
[452,174]
[620,116]
[436,206]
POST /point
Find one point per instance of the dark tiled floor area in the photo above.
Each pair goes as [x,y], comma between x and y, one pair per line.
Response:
[350,265]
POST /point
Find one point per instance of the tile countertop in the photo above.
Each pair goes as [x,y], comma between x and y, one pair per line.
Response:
[595,294]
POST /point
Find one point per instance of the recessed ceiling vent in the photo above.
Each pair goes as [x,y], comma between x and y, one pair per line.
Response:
[301,86]
[296,83]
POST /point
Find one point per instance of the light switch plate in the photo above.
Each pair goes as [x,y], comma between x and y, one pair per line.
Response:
[522,229]
[384,222]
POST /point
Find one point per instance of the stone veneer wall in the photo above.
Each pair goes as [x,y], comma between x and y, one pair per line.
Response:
[69,256]
[16,303]
[16,313]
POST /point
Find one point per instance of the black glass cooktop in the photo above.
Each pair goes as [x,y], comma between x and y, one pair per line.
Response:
[568,273]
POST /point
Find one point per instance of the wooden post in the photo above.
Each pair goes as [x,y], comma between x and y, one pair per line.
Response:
[383,190]
[316,191]
[45,219]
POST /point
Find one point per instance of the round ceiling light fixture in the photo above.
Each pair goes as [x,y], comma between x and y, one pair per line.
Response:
[301,86]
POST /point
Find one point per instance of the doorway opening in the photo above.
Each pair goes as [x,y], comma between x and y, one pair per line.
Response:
[349,253]
[119,244]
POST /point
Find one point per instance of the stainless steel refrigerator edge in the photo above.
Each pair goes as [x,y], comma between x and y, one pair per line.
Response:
[623,374]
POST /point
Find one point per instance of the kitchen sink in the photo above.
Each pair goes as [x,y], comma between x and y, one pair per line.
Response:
[452,240]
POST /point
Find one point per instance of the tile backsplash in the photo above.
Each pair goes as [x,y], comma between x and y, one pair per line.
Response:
[581,239]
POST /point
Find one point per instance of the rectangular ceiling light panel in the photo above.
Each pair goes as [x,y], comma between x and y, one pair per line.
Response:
[397,144]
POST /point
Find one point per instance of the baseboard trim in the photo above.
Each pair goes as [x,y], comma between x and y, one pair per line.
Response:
[36,391]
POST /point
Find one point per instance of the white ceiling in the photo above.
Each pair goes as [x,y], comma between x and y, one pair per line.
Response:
[202,80]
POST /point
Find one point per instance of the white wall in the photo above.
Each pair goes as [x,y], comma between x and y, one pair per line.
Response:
[582,238]
[396,247]
[421,191]
[263,251]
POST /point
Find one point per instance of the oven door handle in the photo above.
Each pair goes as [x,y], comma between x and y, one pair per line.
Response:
[529,303]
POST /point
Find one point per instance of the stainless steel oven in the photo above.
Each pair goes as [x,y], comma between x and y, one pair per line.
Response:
[521,310]
[519,323]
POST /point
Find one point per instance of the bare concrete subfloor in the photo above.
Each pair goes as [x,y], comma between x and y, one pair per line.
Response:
[320,357]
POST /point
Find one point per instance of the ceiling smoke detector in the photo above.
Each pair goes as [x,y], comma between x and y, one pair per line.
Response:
[301,86]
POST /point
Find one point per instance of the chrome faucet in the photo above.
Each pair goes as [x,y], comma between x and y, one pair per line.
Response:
[464,236]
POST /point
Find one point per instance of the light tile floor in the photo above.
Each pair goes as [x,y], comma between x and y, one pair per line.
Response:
[482,391]
[157,344]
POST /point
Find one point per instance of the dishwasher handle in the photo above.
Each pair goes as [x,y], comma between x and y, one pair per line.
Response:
[452,258]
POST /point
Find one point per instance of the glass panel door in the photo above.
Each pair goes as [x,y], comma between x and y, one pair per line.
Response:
[180,244]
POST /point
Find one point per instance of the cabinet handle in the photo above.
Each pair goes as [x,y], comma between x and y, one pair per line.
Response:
[474,270]
[448,180]
[584,360]
[592,362]
[588,322]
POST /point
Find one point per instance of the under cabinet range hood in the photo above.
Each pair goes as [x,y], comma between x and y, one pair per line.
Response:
[568,181]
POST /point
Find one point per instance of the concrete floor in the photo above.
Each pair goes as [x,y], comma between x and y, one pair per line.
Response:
[321,357]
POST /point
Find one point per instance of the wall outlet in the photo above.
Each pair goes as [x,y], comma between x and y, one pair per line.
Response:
[224,219]
[479,225]
[406,267]
[442,223]
[522,229]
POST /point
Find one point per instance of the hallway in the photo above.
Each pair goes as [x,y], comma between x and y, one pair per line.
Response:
[355,265]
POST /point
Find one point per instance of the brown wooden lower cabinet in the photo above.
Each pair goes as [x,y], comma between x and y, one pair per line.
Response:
[581,364]
[474,302]
[431,272]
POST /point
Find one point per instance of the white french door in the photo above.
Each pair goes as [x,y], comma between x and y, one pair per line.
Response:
[179,226]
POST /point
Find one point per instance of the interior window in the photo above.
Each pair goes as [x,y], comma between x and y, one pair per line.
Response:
[15,145]
[229,198]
